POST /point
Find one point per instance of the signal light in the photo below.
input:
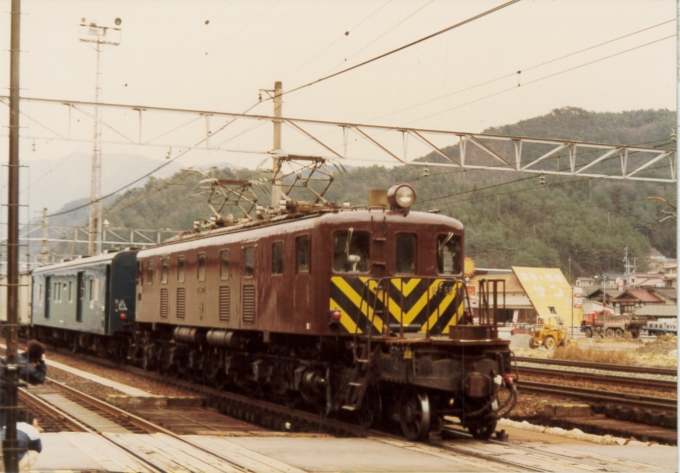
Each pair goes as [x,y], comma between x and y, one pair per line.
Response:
[508,379]
[123,316]
[336,315]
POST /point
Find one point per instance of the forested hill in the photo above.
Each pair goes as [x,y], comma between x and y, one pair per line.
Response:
[510,218]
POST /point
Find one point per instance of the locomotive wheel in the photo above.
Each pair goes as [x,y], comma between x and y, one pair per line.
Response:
[549,343]
[589,332]
[483,430]
[371,408]
[414,413]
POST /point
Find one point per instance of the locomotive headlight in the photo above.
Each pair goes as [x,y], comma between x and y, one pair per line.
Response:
[401,195]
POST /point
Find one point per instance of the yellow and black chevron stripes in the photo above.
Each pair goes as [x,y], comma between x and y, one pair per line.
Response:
[411,302]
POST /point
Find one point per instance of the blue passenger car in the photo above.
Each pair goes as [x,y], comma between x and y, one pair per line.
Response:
[86,303]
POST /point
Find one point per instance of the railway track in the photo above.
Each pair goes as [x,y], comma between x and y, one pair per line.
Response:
[83,413]
[656,384]
[598,396]
[599,366]
[522,457]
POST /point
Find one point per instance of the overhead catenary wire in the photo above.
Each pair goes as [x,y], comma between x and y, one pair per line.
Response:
[401,48]
[157,168]
[543,78]
[300,68]
[536,66]
[411,15]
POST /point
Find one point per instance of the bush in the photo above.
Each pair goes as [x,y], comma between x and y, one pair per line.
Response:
[593,356]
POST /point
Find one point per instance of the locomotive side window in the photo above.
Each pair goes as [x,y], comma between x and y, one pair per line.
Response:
[70,291]
[249,260]
[449,254]
[201,266]
[406,253]
[224,264]
[277,257]
[57,292]
[180,269]
[164,270]
[351,251]
[149,272]
[140,272]
[302,254]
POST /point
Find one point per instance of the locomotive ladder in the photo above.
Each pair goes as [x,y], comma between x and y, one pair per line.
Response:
[362,374]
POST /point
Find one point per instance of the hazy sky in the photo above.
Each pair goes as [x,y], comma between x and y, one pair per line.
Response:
[216,55]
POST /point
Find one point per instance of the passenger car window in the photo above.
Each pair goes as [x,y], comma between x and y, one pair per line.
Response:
[406,253]
[201,266]
[303,259]
[149,272]
[449,254]
[224,264]
[180,269]
[277,257]
[249,262]
[351,251]
[164,270]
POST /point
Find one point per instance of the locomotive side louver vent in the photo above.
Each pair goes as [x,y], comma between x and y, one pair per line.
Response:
[181,302]
[225,303]
[248,303]
[164,302]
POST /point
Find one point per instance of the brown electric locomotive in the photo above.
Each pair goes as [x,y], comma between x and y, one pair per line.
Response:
[347,310]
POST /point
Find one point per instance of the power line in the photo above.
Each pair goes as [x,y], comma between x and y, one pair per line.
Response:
[464,22]
[505,76]
[392,28]
[337,40]
[543,78]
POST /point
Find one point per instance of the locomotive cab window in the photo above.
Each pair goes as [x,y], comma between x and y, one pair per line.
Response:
[449,254]
[224,264]
[351,251]
[302,254]
[249,262]
[406,253]
[201,266]
[180,269]
[149,272]
[277,257]
[164,270]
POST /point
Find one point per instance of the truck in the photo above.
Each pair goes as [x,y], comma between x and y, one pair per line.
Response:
[606,325]
[661,327]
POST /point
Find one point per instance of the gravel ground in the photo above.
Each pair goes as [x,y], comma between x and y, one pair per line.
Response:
[576,369]
[97,390]
[100,391]
[601,386]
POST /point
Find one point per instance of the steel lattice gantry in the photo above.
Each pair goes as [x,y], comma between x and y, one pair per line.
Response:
[243,135]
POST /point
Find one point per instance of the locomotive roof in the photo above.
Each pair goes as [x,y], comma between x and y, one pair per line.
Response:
[104,257]
[287,224]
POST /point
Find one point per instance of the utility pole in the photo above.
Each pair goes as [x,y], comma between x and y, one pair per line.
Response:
[10,446]
[99,36]
[276,182]
[44,243]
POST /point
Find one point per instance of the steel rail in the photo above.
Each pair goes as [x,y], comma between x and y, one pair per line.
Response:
[601,378]
[597,395]
[137,421]
[599,366]
[534,451]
